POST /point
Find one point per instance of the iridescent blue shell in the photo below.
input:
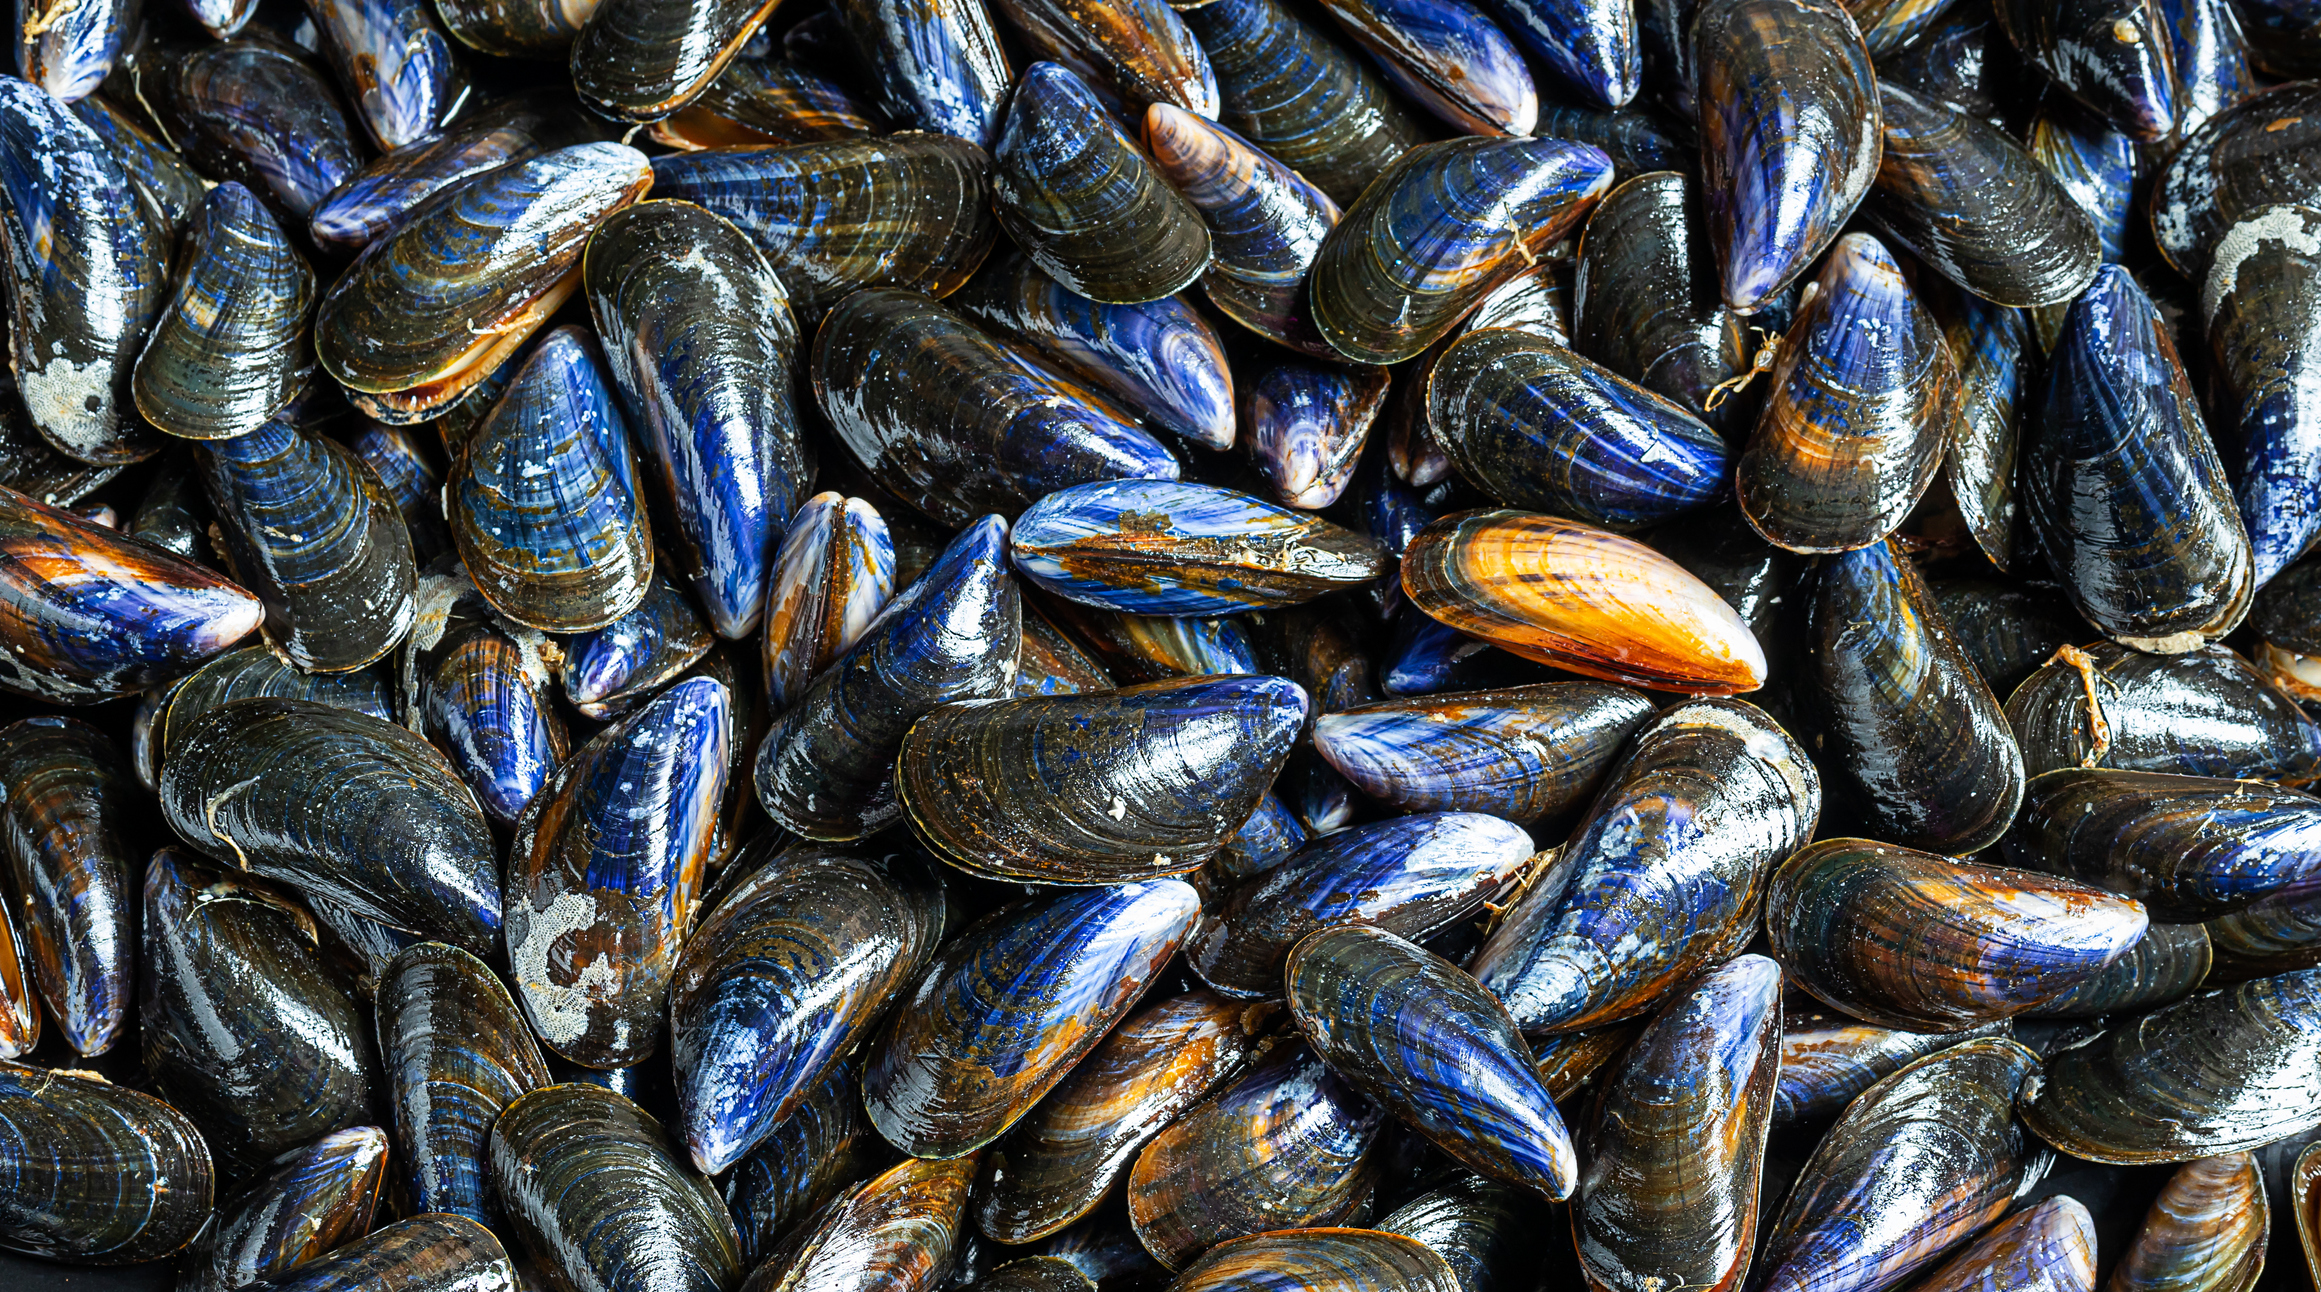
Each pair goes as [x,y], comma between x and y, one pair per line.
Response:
[2047,1246]
[1449,58]
[2189,847]
[68,51]
[318,1197]
[396,63]
[1523,754]
[1308,425]
[937,68]
[2094,161]
[482,695]
[374,198]
[825,1145]
[2113,57]
[69,843]
[167,186]
[2262,310]
[407,469]
[259,111]
[1827,1059]
[612,670]
[422,1251]
[1147,648]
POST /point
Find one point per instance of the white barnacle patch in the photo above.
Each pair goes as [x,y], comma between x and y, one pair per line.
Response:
[560,1012]
[71,402]
[2281,224]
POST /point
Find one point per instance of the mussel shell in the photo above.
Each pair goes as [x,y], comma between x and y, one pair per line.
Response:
[2262,310]
[19,993]
[1990,344]
[957,423]
[1678,1144]
[2287,615]
[1827,1060]
[244,1027]
[1169,548]
[1645,298]
[2168,963]
[479,689]
[406,467]
[2207,1229]
[1660,880]
[826,768]
[1865,394]
[517,28]
[912,211]
[32,466]
[229,350]
[253,670]
[899,1231]
[370,201]
[826,1144]
[1971,205]
[98,1174]
[2250,156]
[1059,1162]
[1340,1260]
[1721,549]
[1908,940]
[604,871]
[1105,788]
[340,804]
[1290,90]
[1428,1043]
[308,527]
[456,1052]
[1038,1274]
[1413,876]
[2009,631]
[611,671]
[709,388]
[2269,937]
[1268,838]
[1536,426]
[259,111]
[1051,663]
[1916,746]
[67,52]
[2205,713]
[412,323]
[1009,1006]
[941,70]
[69,832]
[1789,128]
[783,980]
[1481,1228]
[1134,51]
[396,63]
[640,60]
[2190,847]
[1440,229]
[1150,648]
[758,101]
[82,274]
[594,1191]
[1287,1146]
[316,1198]
[1447,57]
[833,575]
[426,1253]
[2217,1072]
[543,502]
[167,188]
[1933,1150]
[1524,754]
[2047,1246]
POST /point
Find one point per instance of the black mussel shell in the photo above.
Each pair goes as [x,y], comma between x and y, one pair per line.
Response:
[2168,963]
[2262,311]
[1827,1058]
[315,1199]
[1320,1258]
[1646,303]
[2203,713]
[96,1174]
[259,111]
[2009,632]
[2112,55]
[1135,51]
[69,836]
[939,70]
[230,348]
[901,1231]
[2263,151]
[640,60]
[426,1253]
[167,188]
[824,1146]
[2189,847]
[1992,347]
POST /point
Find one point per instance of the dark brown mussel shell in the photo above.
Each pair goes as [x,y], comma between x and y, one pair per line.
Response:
[456,1052]
[1933,1153]
[244,1027]
[1991,345]
[316,1198]
[1424,1040]
[899,1232]
[1916,748]
[1332,1258]
[1864,396]
[1295,93]
[2263,151]
[910,211]
[2123,486]
[826,768]
[2207,712]
[1134,51]
[425,1253]
[413,324]
[2217,1072]
[1102,788]
[1827,1059]
[2050,1244]
[1908,940]
[758,101]
[1525,753]
[1438,231]
[1971,205]
[1645,299]
[69,834]
[958,423]
[824,1146]
[1059,1162]
[2207,1229]
[1008,1007]
[1287,1146]
[2170,962]
[1666,867]
[339,805]
[1414,876]
[2190,847]
[640,60]
[597,1195]
[604,871]
[82,275]
[229,349]
[97,1174]
[2112,55]
[1789,136]
[305,524]
[783,980]
[1677,1148]
[1084,202]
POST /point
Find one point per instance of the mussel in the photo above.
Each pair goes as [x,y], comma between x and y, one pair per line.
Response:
[229,349]
[1524,754]
[260,111]
[96,1174]
[900,1231]
[422,1252]
[2208,1228]
[2189,847]
[2113,55]
[68,834]
[316,1198]
[2049,1247]
[2207,712]
[1646,302]
[2262,308]
[640,60]
[1320,1258]
[940,70]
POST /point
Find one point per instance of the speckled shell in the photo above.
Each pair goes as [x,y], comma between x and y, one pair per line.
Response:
[1934,1148]
[1676,1150]
[68,833]
[1524,754]
[1289,1145]
[594,1191]
[2204,713]
[1660,880]
[1104,788]
[318,1197]
[1338,1260]
[229,350]
[2207,1230]
[64,1132]
[1908,940]
[414,322]
[1008,1007]
[1057,1164]
[2217,1072]
[898,1232]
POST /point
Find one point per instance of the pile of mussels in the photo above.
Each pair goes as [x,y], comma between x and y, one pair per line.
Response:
[1096,644]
